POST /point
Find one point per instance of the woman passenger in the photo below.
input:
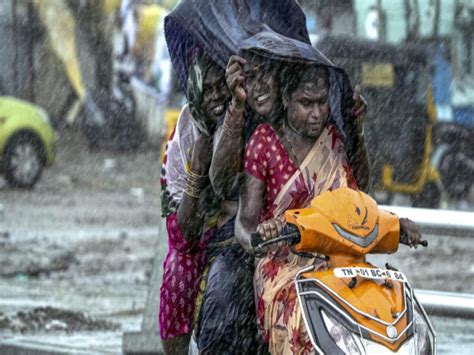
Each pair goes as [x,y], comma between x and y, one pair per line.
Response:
[188,201]
[227,317]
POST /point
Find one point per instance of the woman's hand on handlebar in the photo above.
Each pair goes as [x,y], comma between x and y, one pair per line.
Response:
[410,233]
[270,229]
[288,234]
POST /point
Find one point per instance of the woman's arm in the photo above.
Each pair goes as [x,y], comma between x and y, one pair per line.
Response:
[227,155]
[359,157]
[189,218]
[250,206]
[229,144]
[360,160]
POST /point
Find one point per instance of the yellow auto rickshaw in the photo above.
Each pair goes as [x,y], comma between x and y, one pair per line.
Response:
[395,80]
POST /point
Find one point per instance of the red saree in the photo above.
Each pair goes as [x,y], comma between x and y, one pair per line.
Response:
[287,186]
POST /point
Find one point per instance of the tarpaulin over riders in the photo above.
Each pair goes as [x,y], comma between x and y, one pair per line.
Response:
[225,28]
[214,31]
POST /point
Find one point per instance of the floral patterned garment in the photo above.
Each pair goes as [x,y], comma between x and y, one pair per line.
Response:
[287,187]
[182,270]
[267,159]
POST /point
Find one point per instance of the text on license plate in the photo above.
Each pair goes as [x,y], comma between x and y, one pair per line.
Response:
[369,273]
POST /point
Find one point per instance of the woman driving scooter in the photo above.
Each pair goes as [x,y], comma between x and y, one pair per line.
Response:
[285,167]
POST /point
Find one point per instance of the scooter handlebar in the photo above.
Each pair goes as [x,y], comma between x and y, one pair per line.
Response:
[290,234]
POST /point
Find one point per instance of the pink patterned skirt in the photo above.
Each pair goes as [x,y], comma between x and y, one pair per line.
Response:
[182,270]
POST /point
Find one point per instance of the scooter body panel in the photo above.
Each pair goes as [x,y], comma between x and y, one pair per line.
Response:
[382,300]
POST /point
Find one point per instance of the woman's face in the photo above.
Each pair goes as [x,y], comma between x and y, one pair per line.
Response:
[215,93]
[261,84]
[308,108]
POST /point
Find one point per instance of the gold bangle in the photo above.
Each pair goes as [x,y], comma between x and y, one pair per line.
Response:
[195,184]
[197,181]
[194,187]
[192,193]
[235,131]
[193,175]
[230,116]
[236,128]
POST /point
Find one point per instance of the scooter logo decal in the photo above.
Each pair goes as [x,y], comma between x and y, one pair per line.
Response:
[364,220]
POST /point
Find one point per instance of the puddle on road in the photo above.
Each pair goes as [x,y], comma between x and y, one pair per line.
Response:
[54,319]
[454,335]
[77,343]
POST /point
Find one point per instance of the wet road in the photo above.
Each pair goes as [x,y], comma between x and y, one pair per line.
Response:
[108,290]
[109,282]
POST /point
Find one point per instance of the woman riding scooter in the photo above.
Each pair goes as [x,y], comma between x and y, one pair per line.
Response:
[285,168]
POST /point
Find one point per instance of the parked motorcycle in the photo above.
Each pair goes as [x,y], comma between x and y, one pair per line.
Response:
[454,158]
[353,307]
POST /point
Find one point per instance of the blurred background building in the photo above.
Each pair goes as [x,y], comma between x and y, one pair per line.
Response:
[448,26]
[31,59]
[443,30]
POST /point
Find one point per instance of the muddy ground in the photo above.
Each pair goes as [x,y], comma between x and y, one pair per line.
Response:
[83,240]
[76,252]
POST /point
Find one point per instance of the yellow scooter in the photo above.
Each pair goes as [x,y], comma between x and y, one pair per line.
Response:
[354,307]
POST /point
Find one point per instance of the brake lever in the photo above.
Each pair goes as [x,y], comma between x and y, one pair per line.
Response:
[257,241]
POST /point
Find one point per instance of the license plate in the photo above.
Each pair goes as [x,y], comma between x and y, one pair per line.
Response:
[369,273]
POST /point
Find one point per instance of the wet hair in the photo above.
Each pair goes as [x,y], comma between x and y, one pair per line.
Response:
[295,74]
[198,69]
[253,56]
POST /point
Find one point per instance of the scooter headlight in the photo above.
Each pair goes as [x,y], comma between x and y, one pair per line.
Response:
[344,339]
[423,338]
